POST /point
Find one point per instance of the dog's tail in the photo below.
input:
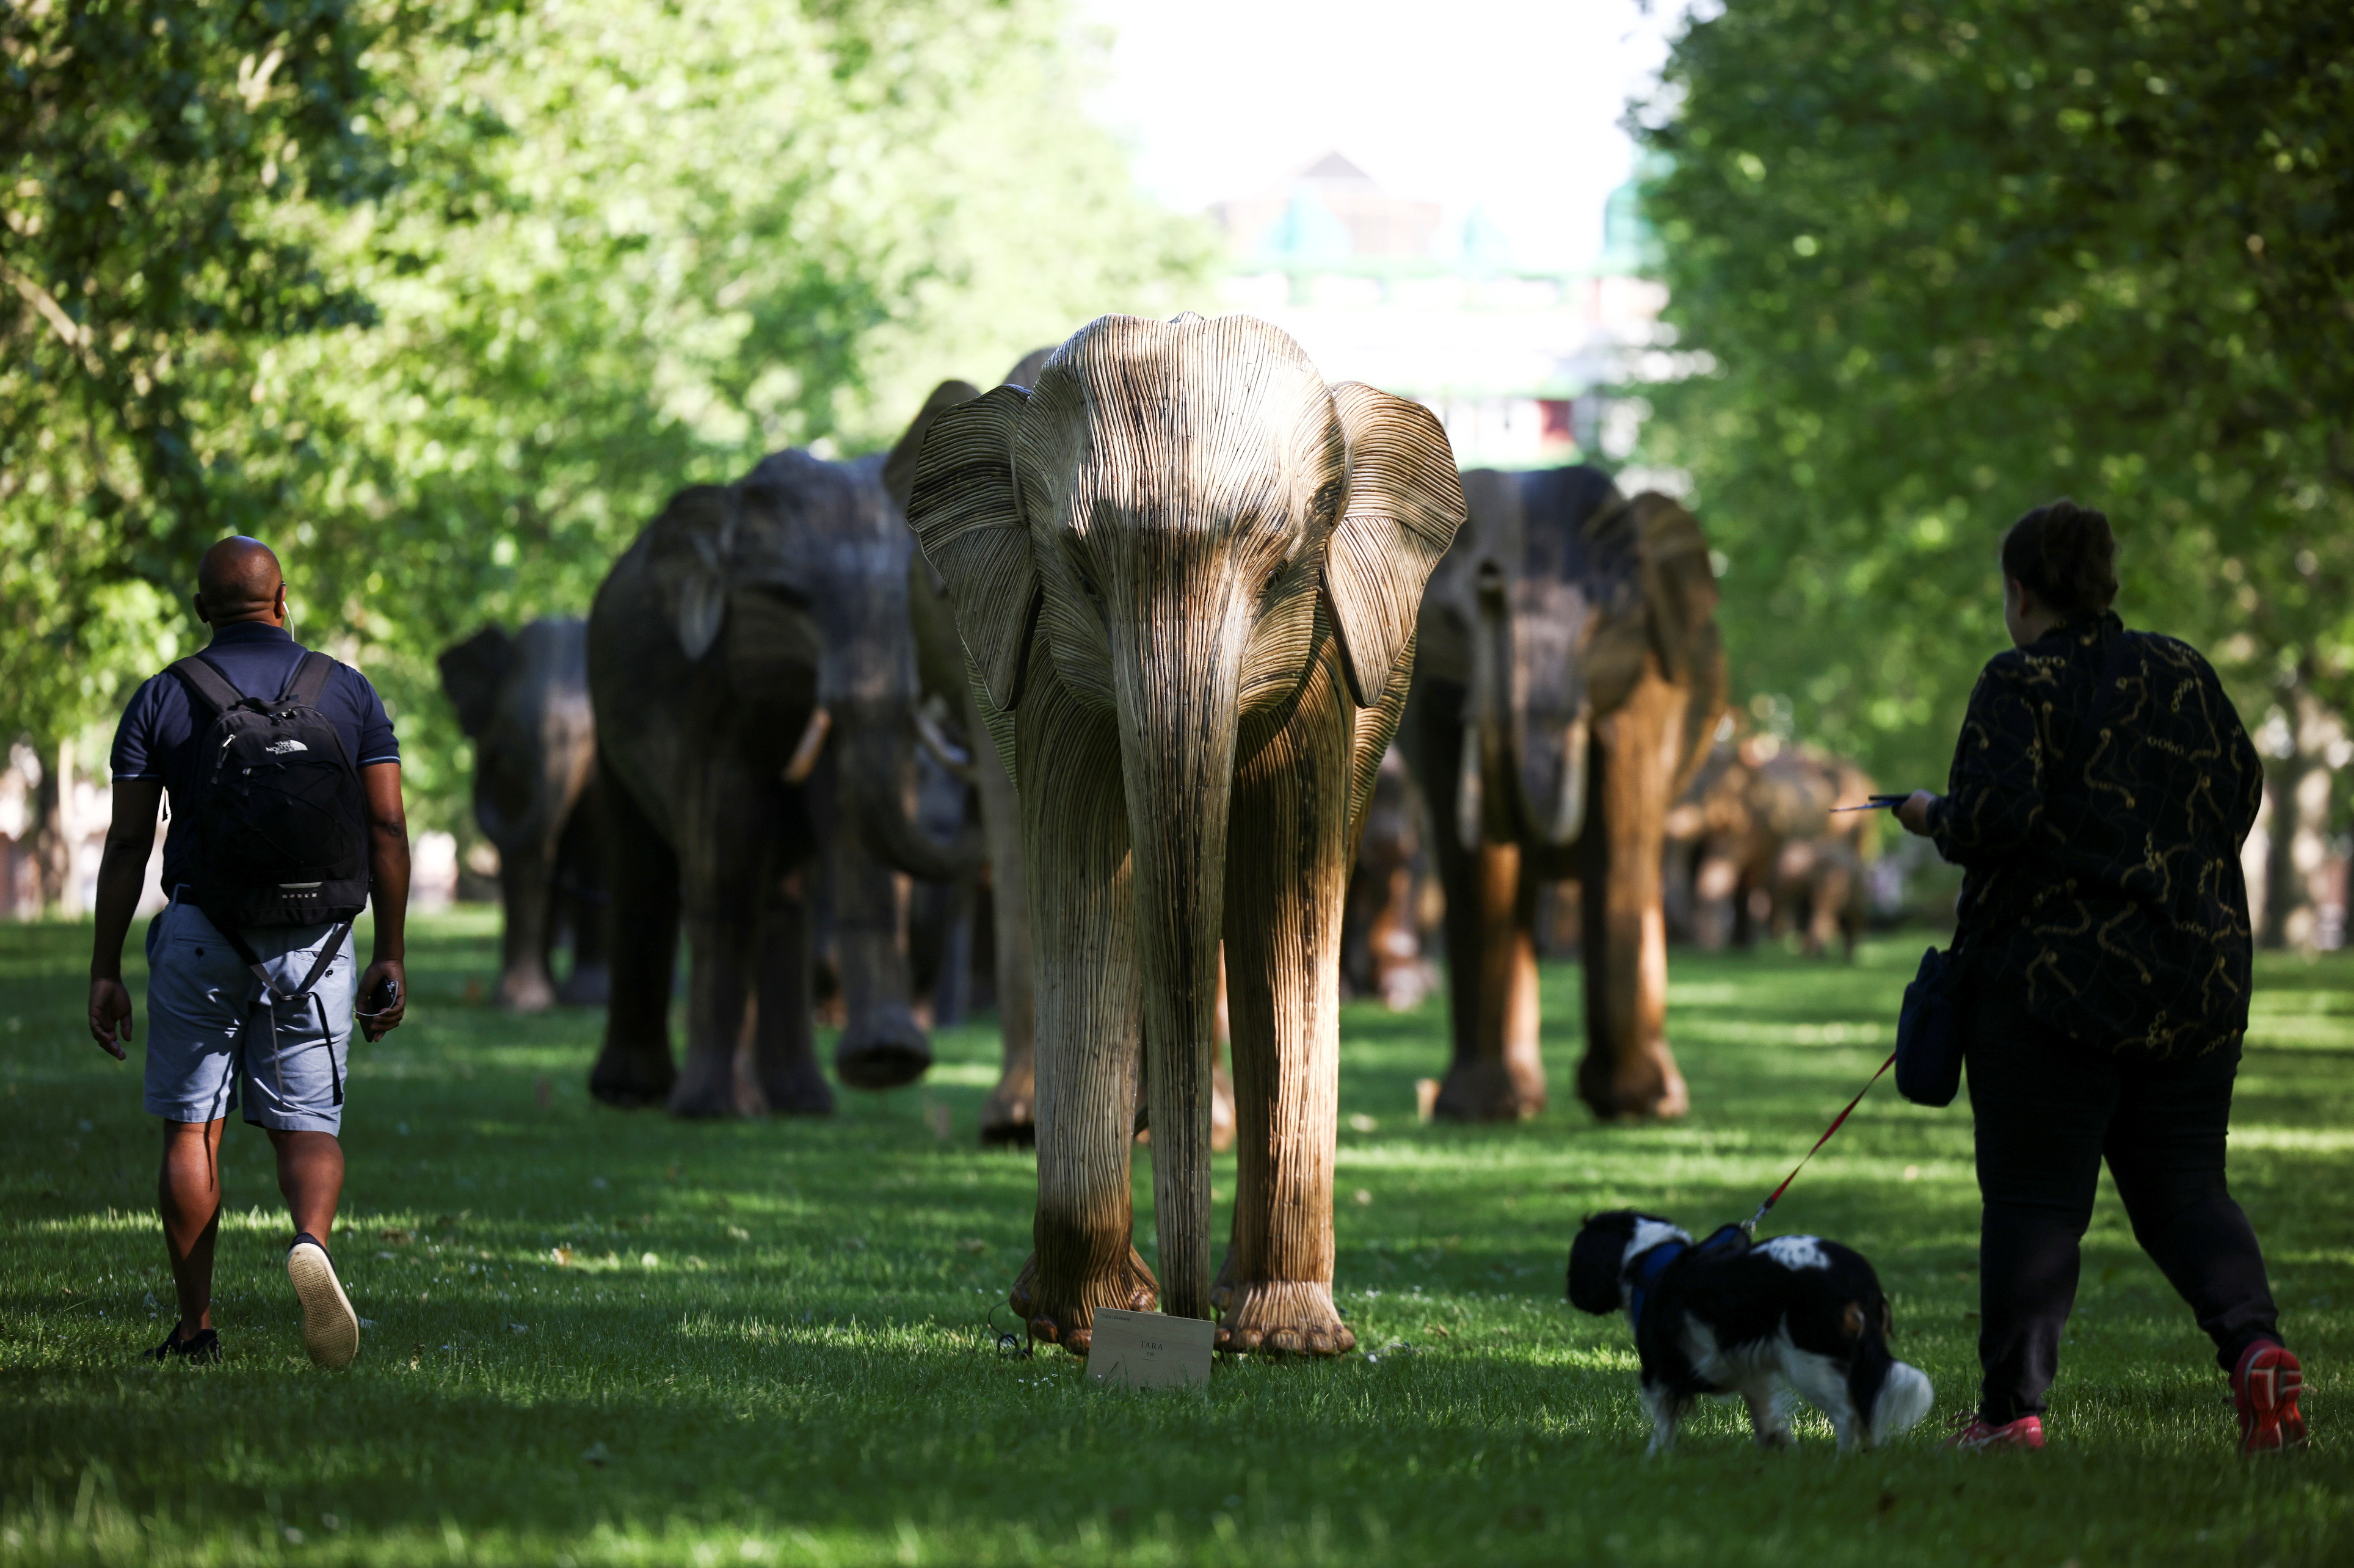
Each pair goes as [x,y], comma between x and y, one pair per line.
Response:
[1889,1395]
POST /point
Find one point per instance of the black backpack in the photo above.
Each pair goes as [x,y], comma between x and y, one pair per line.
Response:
[279,821]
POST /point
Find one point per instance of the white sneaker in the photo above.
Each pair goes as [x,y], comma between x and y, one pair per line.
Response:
[331,1330]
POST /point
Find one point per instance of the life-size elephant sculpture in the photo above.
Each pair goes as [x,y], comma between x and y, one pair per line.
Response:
[1185,571]
[1382,953]
[1755,845]
[1568,678]
[1008,1116]
[754,684]
[523,700]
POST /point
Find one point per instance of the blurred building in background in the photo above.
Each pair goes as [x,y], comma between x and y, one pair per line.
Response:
[1385,288]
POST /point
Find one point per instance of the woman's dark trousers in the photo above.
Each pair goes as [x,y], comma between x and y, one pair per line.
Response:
[2048,1111]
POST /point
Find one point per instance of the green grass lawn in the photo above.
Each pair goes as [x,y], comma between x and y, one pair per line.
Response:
[609,1337]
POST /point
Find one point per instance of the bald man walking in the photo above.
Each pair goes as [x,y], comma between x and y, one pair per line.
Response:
[286,820]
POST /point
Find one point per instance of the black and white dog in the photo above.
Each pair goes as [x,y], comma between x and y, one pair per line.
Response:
[1726,1315]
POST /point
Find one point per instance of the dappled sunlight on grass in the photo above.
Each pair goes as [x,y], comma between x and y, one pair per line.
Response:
[609,1337]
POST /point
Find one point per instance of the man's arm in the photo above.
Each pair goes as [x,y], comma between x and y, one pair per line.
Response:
[388,892]
[130,838]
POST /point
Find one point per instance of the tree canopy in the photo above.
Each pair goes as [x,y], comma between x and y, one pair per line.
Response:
[1954,260]
[443,301]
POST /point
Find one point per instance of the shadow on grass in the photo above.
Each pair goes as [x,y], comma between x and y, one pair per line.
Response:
[600,1337]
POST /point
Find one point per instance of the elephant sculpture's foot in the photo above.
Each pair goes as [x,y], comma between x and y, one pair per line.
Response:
[1645,1086]
[589,985]
[1479,1090]
[707,1089]
[632,1080]
[1280,1316]
[1067,1318]
[526,991]
[797,1088]
[1010,1117]
[890,1054]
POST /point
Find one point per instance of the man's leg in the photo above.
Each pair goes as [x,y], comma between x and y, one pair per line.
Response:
[187,1195]
[311,1176]
[295,1074]
[2039,1104]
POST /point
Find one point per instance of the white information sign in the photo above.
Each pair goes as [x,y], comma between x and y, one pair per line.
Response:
[1149,1350]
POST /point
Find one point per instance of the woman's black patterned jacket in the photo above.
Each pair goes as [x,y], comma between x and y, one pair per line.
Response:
[2099,795]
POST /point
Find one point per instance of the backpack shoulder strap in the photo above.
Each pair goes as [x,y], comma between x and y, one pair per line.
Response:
[308,681]
[208,684]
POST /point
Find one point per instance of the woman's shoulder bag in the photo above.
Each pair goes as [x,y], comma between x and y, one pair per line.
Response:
[1929,1033]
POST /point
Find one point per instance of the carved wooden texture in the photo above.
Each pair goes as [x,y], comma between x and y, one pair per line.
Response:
[1177,564]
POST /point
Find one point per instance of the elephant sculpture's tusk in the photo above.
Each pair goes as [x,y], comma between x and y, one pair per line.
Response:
[951,757]
[805,752]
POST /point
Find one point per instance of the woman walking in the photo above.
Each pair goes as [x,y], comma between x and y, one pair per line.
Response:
[2098,798]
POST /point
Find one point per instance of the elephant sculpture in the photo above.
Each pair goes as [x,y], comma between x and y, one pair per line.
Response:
[1754,844]
[1568,677]
[1383,944]
[523,700]
[1007,1115]
[754,682]
[1184,570]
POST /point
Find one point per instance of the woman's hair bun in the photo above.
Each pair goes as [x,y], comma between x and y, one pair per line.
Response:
[2065,554]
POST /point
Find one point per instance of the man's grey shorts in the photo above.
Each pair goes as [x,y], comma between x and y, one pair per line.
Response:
[216,1040]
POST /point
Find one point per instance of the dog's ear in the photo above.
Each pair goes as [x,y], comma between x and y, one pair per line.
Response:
[1593,1262]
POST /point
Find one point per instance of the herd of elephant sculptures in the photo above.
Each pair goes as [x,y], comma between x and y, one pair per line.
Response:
[1155,610]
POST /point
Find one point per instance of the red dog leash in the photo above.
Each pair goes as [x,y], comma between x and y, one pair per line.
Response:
[1751,1226]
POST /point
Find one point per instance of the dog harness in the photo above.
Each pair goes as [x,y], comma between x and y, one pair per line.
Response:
[1661,1258]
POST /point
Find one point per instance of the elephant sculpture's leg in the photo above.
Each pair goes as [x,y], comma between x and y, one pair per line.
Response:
[1287,880]
[529,927]
[635,1067]
[1495,1073]
[1090,1021]
[1009,1115]
[726,891]
[580,872]
[784,1054]
[1628,1070]
[1518,1022]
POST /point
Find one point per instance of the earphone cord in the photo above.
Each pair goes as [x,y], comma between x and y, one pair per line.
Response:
[1751,1224]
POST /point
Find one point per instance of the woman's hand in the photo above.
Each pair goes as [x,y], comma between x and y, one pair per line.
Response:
[1914,811]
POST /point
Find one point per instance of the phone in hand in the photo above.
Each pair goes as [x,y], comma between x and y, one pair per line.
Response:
[379,1002]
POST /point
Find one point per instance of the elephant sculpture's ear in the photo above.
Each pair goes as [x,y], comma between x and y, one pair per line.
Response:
[1404,503]
[1679,591]
[966,512]
[471,672]
[899,468]
[687,551]
[1679,599]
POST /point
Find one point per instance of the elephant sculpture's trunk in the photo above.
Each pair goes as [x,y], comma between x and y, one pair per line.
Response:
[869,773]
[1179,678]
[879,779]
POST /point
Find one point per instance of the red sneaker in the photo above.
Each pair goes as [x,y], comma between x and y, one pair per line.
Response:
[2027,1432]
[2265,1386]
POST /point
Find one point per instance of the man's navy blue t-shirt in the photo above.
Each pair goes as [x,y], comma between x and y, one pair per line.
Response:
[157,737]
